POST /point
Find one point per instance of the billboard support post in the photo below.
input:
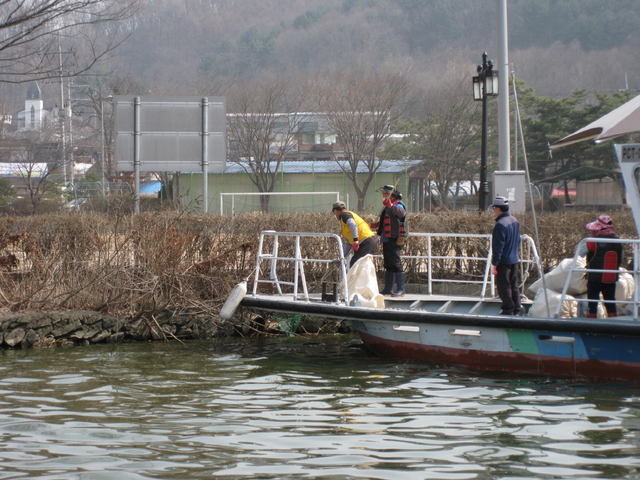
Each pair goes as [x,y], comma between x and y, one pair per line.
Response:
[205,154]
[136,151]
[170,134]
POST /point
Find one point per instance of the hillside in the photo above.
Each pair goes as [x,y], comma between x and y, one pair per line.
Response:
[553,47]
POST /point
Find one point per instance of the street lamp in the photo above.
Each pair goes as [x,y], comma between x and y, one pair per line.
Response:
[484,85]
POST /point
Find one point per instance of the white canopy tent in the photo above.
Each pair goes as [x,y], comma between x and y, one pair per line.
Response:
[623,120]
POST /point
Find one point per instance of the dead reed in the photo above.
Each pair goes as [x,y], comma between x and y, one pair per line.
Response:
[139,266]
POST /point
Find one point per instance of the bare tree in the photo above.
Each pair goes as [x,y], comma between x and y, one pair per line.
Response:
[49,38]
[361,107]
[447,140]
[36,158]
[265,116]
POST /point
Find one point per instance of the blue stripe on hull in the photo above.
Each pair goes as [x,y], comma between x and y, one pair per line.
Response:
[612,349]
[549,347]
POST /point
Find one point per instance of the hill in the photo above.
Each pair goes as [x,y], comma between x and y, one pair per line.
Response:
[556,46]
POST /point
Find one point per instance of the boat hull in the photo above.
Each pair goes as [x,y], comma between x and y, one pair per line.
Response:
[577,347]
[508,350]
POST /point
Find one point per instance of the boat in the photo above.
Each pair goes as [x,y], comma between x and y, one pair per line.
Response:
[454,319]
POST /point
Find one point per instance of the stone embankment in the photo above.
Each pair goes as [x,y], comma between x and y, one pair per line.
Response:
[20,330]
[84,327]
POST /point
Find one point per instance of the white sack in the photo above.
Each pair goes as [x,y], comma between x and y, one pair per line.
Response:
[625,286]
[624,293]
[555,279]
[569,308]
[362,284]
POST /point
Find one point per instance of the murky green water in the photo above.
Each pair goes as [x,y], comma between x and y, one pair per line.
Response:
[292,408]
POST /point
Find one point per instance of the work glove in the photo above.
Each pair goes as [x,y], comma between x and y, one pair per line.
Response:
[495,270]
[355,246]
[387,202]
[374,225]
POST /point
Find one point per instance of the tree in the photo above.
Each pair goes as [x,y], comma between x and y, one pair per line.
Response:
[7,193]
[546,120]
[447,140]
[37,160]
[265,115]
[49,38]
[360,108]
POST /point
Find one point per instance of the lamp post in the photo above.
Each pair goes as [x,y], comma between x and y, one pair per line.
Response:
[484,85]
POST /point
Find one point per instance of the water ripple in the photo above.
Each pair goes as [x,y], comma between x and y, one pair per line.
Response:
[295,409]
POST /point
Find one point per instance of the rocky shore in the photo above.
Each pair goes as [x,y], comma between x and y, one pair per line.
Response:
[84,327]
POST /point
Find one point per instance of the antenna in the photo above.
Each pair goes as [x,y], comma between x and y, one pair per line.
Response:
[626,81]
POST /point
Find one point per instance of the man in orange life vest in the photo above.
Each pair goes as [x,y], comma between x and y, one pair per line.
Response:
[356,231]
[392,230]
[602,256]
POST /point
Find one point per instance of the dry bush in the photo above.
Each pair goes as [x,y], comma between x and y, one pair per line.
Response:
[139,265]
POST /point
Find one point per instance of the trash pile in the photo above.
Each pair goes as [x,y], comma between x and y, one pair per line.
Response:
[576,289]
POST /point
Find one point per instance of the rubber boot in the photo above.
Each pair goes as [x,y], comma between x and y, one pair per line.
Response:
[389,278]
[592,315]
[400,282]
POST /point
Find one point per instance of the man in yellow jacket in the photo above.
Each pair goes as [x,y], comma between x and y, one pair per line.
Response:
[359,236]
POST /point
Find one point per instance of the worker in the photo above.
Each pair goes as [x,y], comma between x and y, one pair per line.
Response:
[356,231]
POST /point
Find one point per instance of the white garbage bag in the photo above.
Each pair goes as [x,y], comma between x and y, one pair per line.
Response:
[624,293]
[569,309]
[555,279]
[625,286]
[362,284]
[583,307]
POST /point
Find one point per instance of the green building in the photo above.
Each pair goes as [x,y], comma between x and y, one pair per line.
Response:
[300,186]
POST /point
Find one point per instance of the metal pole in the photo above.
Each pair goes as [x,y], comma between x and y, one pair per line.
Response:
[70,161]
[61,118]
[102,141]
[136,151]
[484,185]
[503,86]
[205,153]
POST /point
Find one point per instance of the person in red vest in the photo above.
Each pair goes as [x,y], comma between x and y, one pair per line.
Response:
[392,229]
[602,256]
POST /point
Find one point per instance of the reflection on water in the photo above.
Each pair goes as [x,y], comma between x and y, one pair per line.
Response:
[299,408]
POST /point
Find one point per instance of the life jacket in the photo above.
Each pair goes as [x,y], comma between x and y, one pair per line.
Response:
[604,256]
[392,226]
[363,228]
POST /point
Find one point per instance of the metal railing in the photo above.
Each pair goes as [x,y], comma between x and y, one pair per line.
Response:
[299,277]
[529,258]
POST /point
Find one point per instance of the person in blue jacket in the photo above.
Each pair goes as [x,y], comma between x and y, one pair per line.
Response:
[505,243]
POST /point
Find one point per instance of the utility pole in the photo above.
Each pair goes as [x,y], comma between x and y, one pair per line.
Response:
[61,118]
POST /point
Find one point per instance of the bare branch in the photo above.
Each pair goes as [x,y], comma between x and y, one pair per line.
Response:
[265,118]
[361,106]
[36,34]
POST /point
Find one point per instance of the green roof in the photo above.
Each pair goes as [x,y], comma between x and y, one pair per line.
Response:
[582,174]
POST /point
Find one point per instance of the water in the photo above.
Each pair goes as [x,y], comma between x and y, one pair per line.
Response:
[299,408]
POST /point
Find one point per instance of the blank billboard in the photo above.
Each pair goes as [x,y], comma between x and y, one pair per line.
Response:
[170,133]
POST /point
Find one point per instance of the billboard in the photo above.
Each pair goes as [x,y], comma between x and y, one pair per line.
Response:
[174,134]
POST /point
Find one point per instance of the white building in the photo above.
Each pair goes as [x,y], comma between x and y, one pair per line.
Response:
[34,113]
